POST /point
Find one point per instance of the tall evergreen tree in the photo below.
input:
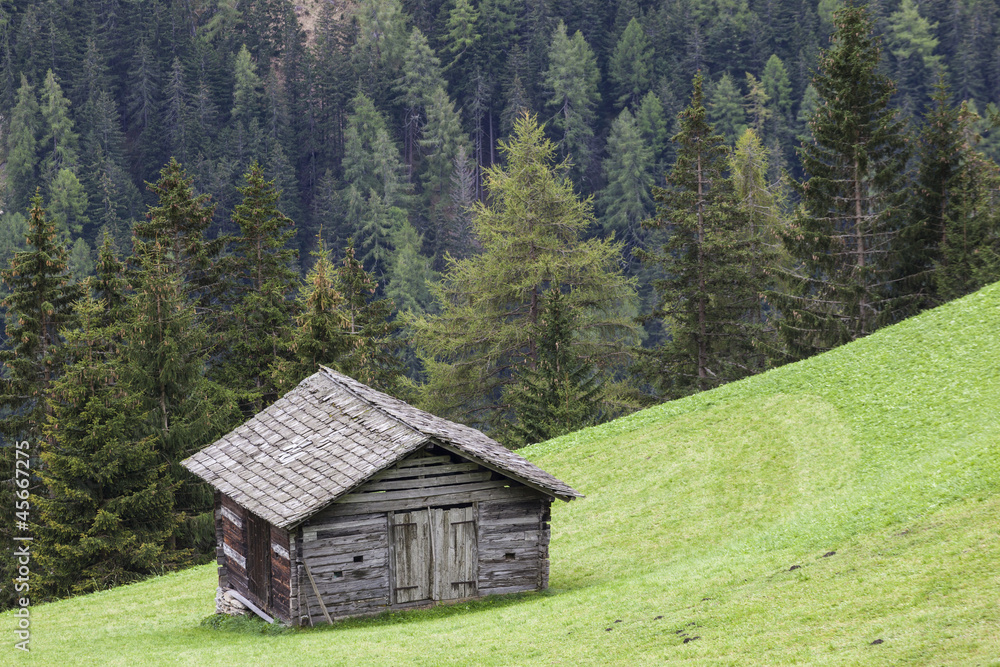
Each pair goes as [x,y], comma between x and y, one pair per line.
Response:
[951,244]
[532,237]
[630,68]
[370,355]
[625,200]
[259,321]
[572,82]
[707,295]
[108,509]
[560,393]
[22,146]
[845,235]
[38,305]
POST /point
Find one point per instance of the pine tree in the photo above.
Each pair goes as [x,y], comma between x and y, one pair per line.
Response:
[370,356]
[560,393]
[175,229]
[59,145]
[163,365]
[22,146]
[38,305]
[420,78]
[630,68]
[845,235]
[952,210]
[625,200]
[572,79]
[462,34]
[443,138]
[259,321]
[707,295]
[532,237]
[320,329]
[725,110]
[108,509]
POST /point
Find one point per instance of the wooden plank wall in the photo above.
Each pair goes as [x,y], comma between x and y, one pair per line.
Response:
[220,553]
[511,523]
[513,545]
[349,561]
[234,544]
[426,479]
[281,575]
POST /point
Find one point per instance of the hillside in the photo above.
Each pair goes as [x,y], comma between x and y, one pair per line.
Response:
[874,469]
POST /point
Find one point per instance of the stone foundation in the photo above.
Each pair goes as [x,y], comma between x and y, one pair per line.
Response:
[225,603]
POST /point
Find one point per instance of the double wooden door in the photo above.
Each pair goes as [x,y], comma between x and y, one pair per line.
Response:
[435,556]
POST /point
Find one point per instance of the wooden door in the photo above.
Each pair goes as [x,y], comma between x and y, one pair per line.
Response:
[259,558]
[434,554]
[411,545]
[456,557]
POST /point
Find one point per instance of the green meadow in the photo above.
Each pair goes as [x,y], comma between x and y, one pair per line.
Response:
[844,510]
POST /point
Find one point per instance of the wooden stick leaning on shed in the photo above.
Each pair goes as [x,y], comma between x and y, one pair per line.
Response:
[319,598]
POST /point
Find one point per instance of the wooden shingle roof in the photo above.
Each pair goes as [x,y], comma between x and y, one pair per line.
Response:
[326,437]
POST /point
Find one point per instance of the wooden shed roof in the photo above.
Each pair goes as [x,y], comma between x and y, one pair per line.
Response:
[330,434]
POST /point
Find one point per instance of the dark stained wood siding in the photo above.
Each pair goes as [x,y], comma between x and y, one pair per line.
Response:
[281,574]
[234,544]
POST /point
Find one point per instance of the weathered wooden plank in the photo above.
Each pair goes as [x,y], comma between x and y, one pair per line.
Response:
[420,493]
[395,473]
[338,509]
[319,597]
[504,590]
[342,597]
[410,533]
[328,575]
[372,559]
[422,461]
[345,543]
[425,482]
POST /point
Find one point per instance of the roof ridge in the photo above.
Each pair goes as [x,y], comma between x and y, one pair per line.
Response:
[382,410]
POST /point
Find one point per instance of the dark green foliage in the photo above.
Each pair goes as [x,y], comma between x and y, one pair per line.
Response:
[38,304]
[952,240]
[260,317]
[320,335]
[846,234]
[559,393]
[108,507]
[370,355]
[709,294]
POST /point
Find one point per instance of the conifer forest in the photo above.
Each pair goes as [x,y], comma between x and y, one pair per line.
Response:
[529,216]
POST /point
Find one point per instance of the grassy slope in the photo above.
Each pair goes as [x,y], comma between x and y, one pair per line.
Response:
[884,451]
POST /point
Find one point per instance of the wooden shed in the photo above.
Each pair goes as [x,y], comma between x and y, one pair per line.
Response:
[339,500]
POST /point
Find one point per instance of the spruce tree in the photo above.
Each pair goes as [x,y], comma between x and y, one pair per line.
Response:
[950,240]
[38,305]
[845,236]
[163,365]
[559,393]
[260,316]
[108,507]
[320,329]
[370,356]
[707,295]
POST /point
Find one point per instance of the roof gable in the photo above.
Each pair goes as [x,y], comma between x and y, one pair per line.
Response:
[331,434]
